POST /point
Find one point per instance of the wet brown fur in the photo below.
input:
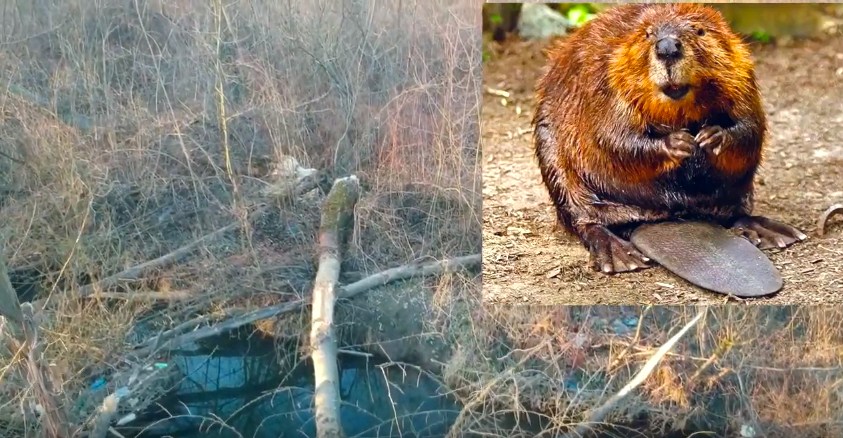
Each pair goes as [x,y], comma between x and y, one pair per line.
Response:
[601,122]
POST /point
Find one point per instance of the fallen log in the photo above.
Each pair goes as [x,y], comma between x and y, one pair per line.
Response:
[337,218]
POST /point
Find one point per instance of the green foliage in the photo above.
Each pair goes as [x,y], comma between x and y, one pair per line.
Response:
[761,36]
[580,13]
[496,19]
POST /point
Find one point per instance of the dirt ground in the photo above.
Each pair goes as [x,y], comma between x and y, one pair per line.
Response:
[528,259]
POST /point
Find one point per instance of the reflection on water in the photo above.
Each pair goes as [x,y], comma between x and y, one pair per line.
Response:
[246,394]
[240,390]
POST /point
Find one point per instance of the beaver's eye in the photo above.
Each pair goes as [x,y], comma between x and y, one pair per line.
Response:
[648,32]
[700,31]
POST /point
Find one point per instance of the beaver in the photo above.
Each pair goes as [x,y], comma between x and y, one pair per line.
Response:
[651,112]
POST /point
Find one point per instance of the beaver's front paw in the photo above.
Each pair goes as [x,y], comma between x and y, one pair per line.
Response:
[711,139]
[679,145]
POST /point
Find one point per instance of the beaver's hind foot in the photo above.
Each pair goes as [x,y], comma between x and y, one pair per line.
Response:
[610,254]
[767,233]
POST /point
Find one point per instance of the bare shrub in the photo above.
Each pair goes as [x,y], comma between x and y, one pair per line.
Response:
[132,128]
[774,369]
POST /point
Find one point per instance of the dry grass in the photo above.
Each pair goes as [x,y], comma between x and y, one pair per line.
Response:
[776,369]
[132,128]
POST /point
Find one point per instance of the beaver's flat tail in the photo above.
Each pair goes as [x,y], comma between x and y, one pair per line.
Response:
[709,256]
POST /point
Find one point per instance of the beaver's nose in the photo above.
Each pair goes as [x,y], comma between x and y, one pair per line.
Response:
[668,49]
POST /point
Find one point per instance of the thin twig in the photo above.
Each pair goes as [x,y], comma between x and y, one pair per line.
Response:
[823,219]
[54,422]
[304,185]
[600,413]
[238,317]
[135,272]
[458,426]
[408,271]
[9,302]
[175,295]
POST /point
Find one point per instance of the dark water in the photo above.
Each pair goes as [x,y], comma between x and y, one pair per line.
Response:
[240,390]
[235,387]
[247,394]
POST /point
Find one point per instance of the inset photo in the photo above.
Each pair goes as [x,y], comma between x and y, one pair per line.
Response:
[662,153]
[652,372]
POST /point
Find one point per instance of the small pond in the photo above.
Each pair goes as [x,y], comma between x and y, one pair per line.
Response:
[244,392]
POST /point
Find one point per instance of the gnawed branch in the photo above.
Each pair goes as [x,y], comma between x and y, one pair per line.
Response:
[337,218]
[105,415]
[172,339]
[408,271]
